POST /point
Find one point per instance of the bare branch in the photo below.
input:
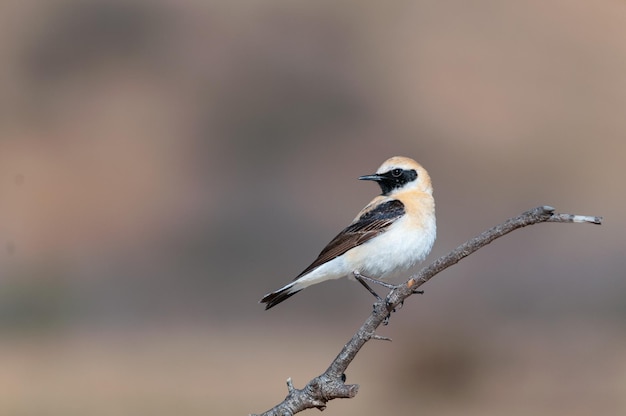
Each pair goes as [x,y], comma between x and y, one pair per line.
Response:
[330,384]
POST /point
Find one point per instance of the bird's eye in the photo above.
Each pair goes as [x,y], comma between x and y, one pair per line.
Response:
[396,173]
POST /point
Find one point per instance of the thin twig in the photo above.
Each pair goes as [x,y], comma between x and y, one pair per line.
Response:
[330,384]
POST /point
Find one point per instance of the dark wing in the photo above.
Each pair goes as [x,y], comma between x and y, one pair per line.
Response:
[368,226]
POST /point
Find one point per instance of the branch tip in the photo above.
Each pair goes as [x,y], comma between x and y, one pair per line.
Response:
[584,218]
[290,387]
[380,338]
[575,218]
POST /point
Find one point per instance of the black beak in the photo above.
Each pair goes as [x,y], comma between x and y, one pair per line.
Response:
[375,177]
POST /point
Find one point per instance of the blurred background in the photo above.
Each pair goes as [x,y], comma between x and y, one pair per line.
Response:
[163,164]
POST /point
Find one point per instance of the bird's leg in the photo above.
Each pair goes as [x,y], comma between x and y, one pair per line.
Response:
[359,277]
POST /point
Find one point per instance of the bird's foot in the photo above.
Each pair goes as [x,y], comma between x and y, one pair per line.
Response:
[398,306]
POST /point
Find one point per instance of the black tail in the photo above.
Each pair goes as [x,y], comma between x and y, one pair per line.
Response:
[274,298]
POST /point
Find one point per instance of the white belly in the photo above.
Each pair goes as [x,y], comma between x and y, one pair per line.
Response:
[393,251]
[384,256]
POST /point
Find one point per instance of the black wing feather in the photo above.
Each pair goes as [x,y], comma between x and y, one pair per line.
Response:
[368,226]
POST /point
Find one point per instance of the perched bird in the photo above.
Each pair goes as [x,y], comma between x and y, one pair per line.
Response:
[393,232]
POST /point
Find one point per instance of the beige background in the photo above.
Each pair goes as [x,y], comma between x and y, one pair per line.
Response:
[164,164]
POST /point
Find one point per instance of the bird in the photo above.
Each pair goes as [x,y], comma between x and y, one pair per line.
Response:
[395,231]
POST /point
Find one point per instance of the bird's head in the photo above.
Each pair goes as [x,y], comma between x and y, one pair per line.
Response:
[400,174]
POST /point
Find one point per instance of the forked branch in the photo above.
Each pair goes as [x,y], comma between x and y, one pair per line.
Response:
[330,384]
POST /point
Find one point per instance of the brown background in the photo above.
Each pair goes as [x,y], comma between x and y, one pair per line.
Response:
[164,164]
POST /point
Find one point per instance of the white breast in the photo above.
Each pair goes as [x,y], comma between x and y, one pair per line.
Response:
[396,250]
